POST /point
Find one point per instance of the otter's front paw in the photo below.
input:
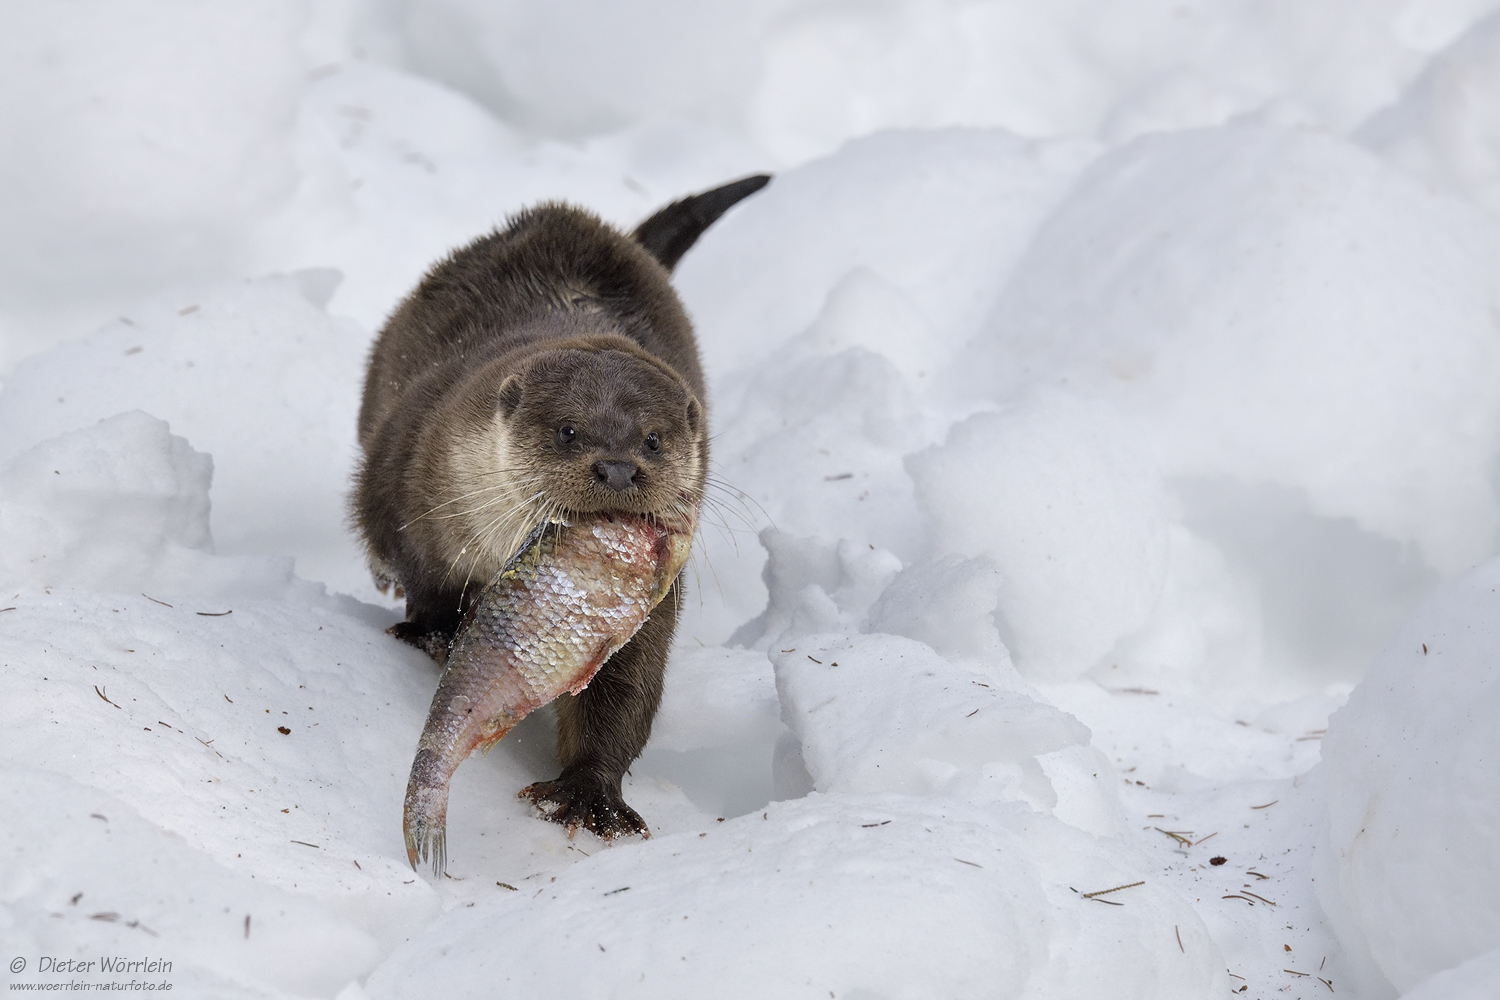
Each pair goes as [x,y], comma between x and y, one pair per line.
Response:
[434,644]
[576,802]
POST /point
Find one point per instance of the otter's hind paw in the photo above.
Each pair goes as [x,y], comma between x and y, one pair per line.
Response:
[434,644]
[574,803]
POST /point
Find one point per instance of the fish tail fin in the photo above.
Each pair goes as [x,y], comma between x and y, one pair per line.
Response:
[429,844]
[424,821]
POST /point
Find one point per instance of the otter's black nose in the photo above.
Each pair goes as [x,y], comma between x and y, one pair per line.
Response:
[618,476]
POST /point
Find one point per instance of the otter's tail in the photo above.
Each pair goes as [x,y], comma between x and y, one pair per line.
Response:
[673,230]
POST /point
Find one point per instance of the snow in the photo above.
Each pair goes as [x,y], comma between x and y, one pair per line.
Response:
[1264,368]
[1444,128]
[1411,814]
[1104,493]
[261,375]
[1087,566]
[1469,981]
[825,894]
[143,143]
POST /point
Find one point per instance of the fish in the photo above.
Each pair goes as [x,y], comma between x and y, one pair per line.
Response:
[574,592]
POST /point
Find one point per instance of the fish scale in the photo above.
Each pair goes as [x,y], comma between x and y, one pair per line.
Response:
[577,590]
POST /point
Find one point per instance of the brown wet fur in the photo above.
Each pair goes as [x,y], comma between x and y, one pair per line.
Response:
[556,322]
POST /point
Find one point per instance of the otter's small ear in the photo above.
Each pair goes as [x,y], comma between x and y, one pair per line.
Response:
[509,396]
[694,414]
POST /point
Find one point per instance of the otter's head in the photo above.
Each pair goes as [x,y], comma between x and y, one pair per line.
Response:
[609,429]
[588,424]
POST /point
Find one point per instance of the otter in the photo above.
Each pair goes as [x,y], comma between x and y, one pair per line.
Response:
[547,368]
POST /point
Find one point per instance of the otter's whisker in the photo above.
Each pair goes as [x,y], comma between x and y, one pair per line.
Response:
[739,498]
[712,571]
[479,539]
[499,498]
[484,489]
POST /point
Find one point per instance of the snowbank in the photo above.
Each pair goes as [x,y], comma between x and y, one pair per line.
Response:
[829,894]
[1294,361]
[1164,418]
[1446,127]
[1070,513]
[143,142]
[1280,392]
[107,507]
[1472,980]
[1412,813]
[801,78]
[209,753]
[256,373]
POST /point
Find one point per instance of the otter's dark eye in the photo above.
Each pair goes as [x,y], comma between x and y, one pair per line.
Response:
[653,441]
[566,433]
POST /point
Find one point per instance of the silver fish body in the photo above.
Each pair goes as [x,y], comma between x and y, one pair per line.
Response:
[575,593]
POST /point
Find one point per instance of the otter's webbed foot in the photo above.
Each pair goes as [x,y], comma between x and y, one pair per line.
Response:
[577,801]
[434,644]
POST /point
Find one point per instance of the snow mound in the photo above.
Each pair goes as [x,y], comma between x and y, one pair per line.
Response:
[248,757]
[143,142]
[1412,812]
[662,58]
[1278,392]
[1298,350]
[1473,980]
[801,78]
[1152,483]
[947,603]
[834,427]
[121,884]
[120,506]
[1072,517]
[254,372]
[1446,127]
[939,217]
[937,726]
[831,893]
[954,718]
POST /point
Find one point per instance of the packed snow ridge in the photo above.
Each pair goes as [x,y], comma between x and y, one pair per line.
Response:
[1099,591]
